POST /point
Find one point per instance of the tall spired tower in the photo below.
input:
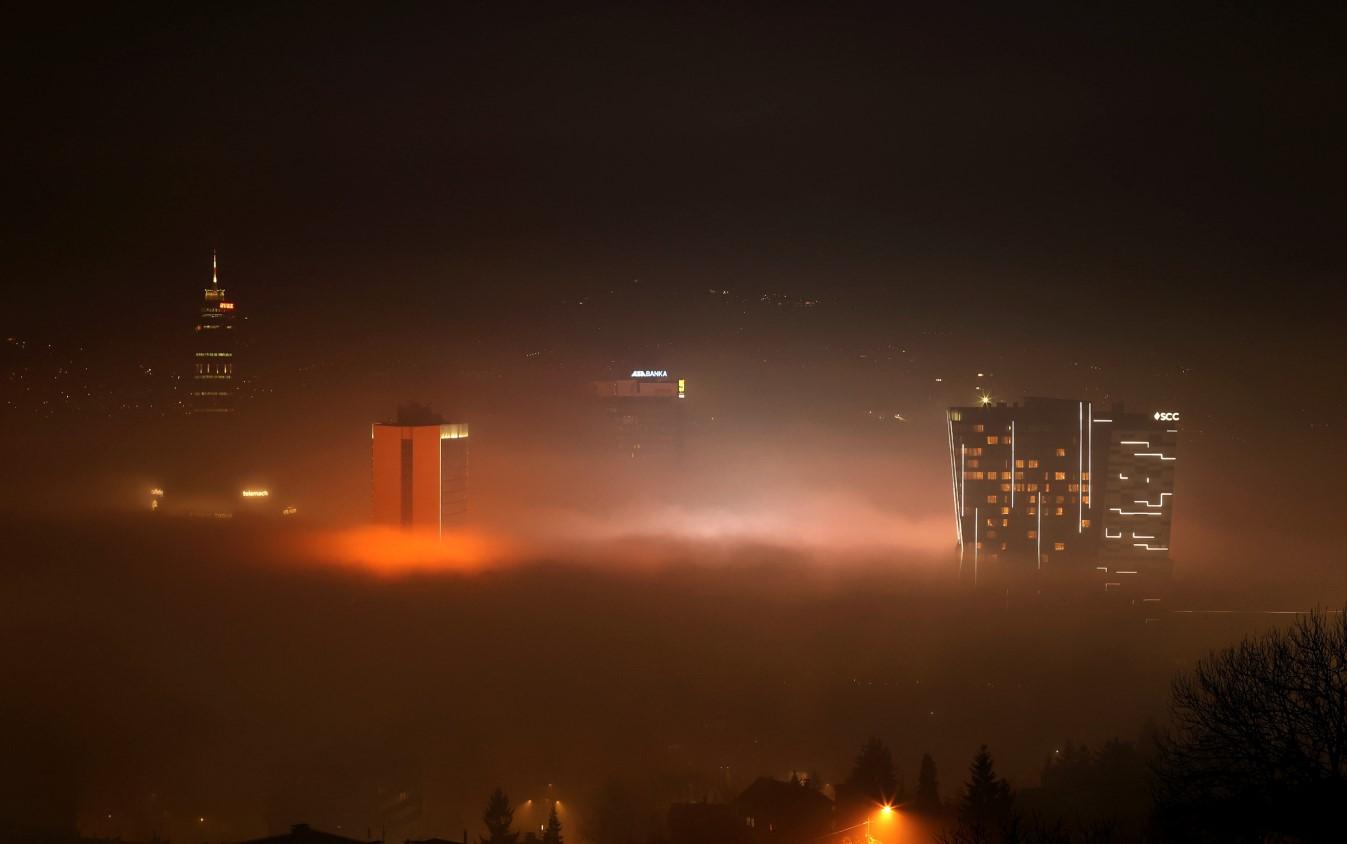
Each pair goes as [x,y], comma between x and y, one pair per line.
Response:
[213,390]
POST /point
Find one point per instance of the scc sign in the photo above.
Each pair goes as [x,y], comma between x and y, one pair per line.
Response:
[1166,416]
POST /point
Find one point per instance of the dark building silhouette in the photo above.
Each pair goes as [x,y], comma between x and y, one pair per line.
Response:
[769,810]
[302,833]
[643,415]
[705,823]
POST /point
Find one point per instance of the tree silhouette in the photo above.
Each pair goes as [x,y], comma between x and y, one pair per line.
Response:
[928,787]
[1258,746]
[986,809]
[873,775]
[498,817]
[552,835]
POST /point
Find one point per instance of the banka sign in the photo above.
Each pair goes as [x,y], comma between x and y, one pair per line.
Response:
[650,373]
[1166,416]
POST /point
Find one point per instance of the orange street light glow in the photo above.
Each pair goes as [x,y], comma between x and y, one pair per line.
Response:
[390,552]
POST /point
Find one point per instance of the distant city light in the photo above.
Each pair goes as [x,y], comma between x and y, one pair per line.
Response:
[985,399]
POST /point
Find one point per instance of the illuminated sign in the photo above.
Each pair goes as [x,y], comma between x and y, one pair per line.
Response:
[157,492]
[650,373]
[682,388]
[1166,416]
[226,306]
[256,493]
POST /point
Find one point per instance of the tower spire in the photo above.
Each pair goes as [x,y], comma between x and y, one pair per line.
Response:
[214,269]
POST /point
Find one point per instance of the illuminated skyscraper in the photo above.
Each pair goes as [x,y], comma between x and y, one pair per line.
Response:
[1054,486]
[419,470]
[643,414]
[213,388]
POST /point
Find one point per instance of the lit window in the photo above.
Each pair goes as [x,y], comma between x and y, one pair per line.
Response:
[978,428]
[1061,499]
[1059,546]
[973,464]
[992,439]
[1005,487]
[1059,476]
[1005,523]
[1005,511]
[992,499]
[1061,452]
[973,452]
[1019,464]
[1084,523]
[1033,487]
[1059,511]
[1033,464]
[1033,534]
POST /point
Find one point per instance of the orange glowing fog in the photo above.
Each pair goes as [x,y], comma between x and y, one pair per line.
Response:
[831,530]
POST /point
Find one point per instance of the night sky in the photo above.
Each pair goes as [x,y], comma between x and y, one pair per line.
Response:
[975,162]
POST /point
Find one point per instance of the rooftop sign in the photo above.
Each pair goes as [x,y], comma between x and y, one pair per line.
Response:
[650,373]
[1166,416]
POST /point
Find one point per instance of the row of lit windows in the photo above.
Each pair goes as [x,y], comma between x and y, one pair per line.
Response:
[215,354]
[1056,546]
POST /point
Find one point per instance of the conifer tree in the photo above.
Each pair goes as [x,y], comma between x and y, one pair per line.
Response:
[552,835]
[498,817]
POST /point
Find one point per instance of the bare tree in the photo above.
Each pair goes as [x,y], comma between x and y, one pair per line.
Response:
[1258,745]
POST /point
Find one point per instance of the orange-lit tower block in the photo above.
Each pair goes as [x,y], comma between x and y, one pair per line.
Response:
[420,475]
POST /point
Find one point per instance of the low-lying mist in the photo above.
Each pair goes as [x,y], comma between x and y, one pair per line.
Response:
[166,671]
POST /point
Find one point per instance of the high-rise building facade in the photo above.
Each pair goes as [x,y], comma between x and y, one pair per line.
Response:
[643,415]
[1059,487]
[213,388]
[420,474]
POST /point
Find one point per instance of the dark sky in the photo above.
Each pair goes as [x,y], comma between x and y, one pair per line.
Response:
[340,159]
